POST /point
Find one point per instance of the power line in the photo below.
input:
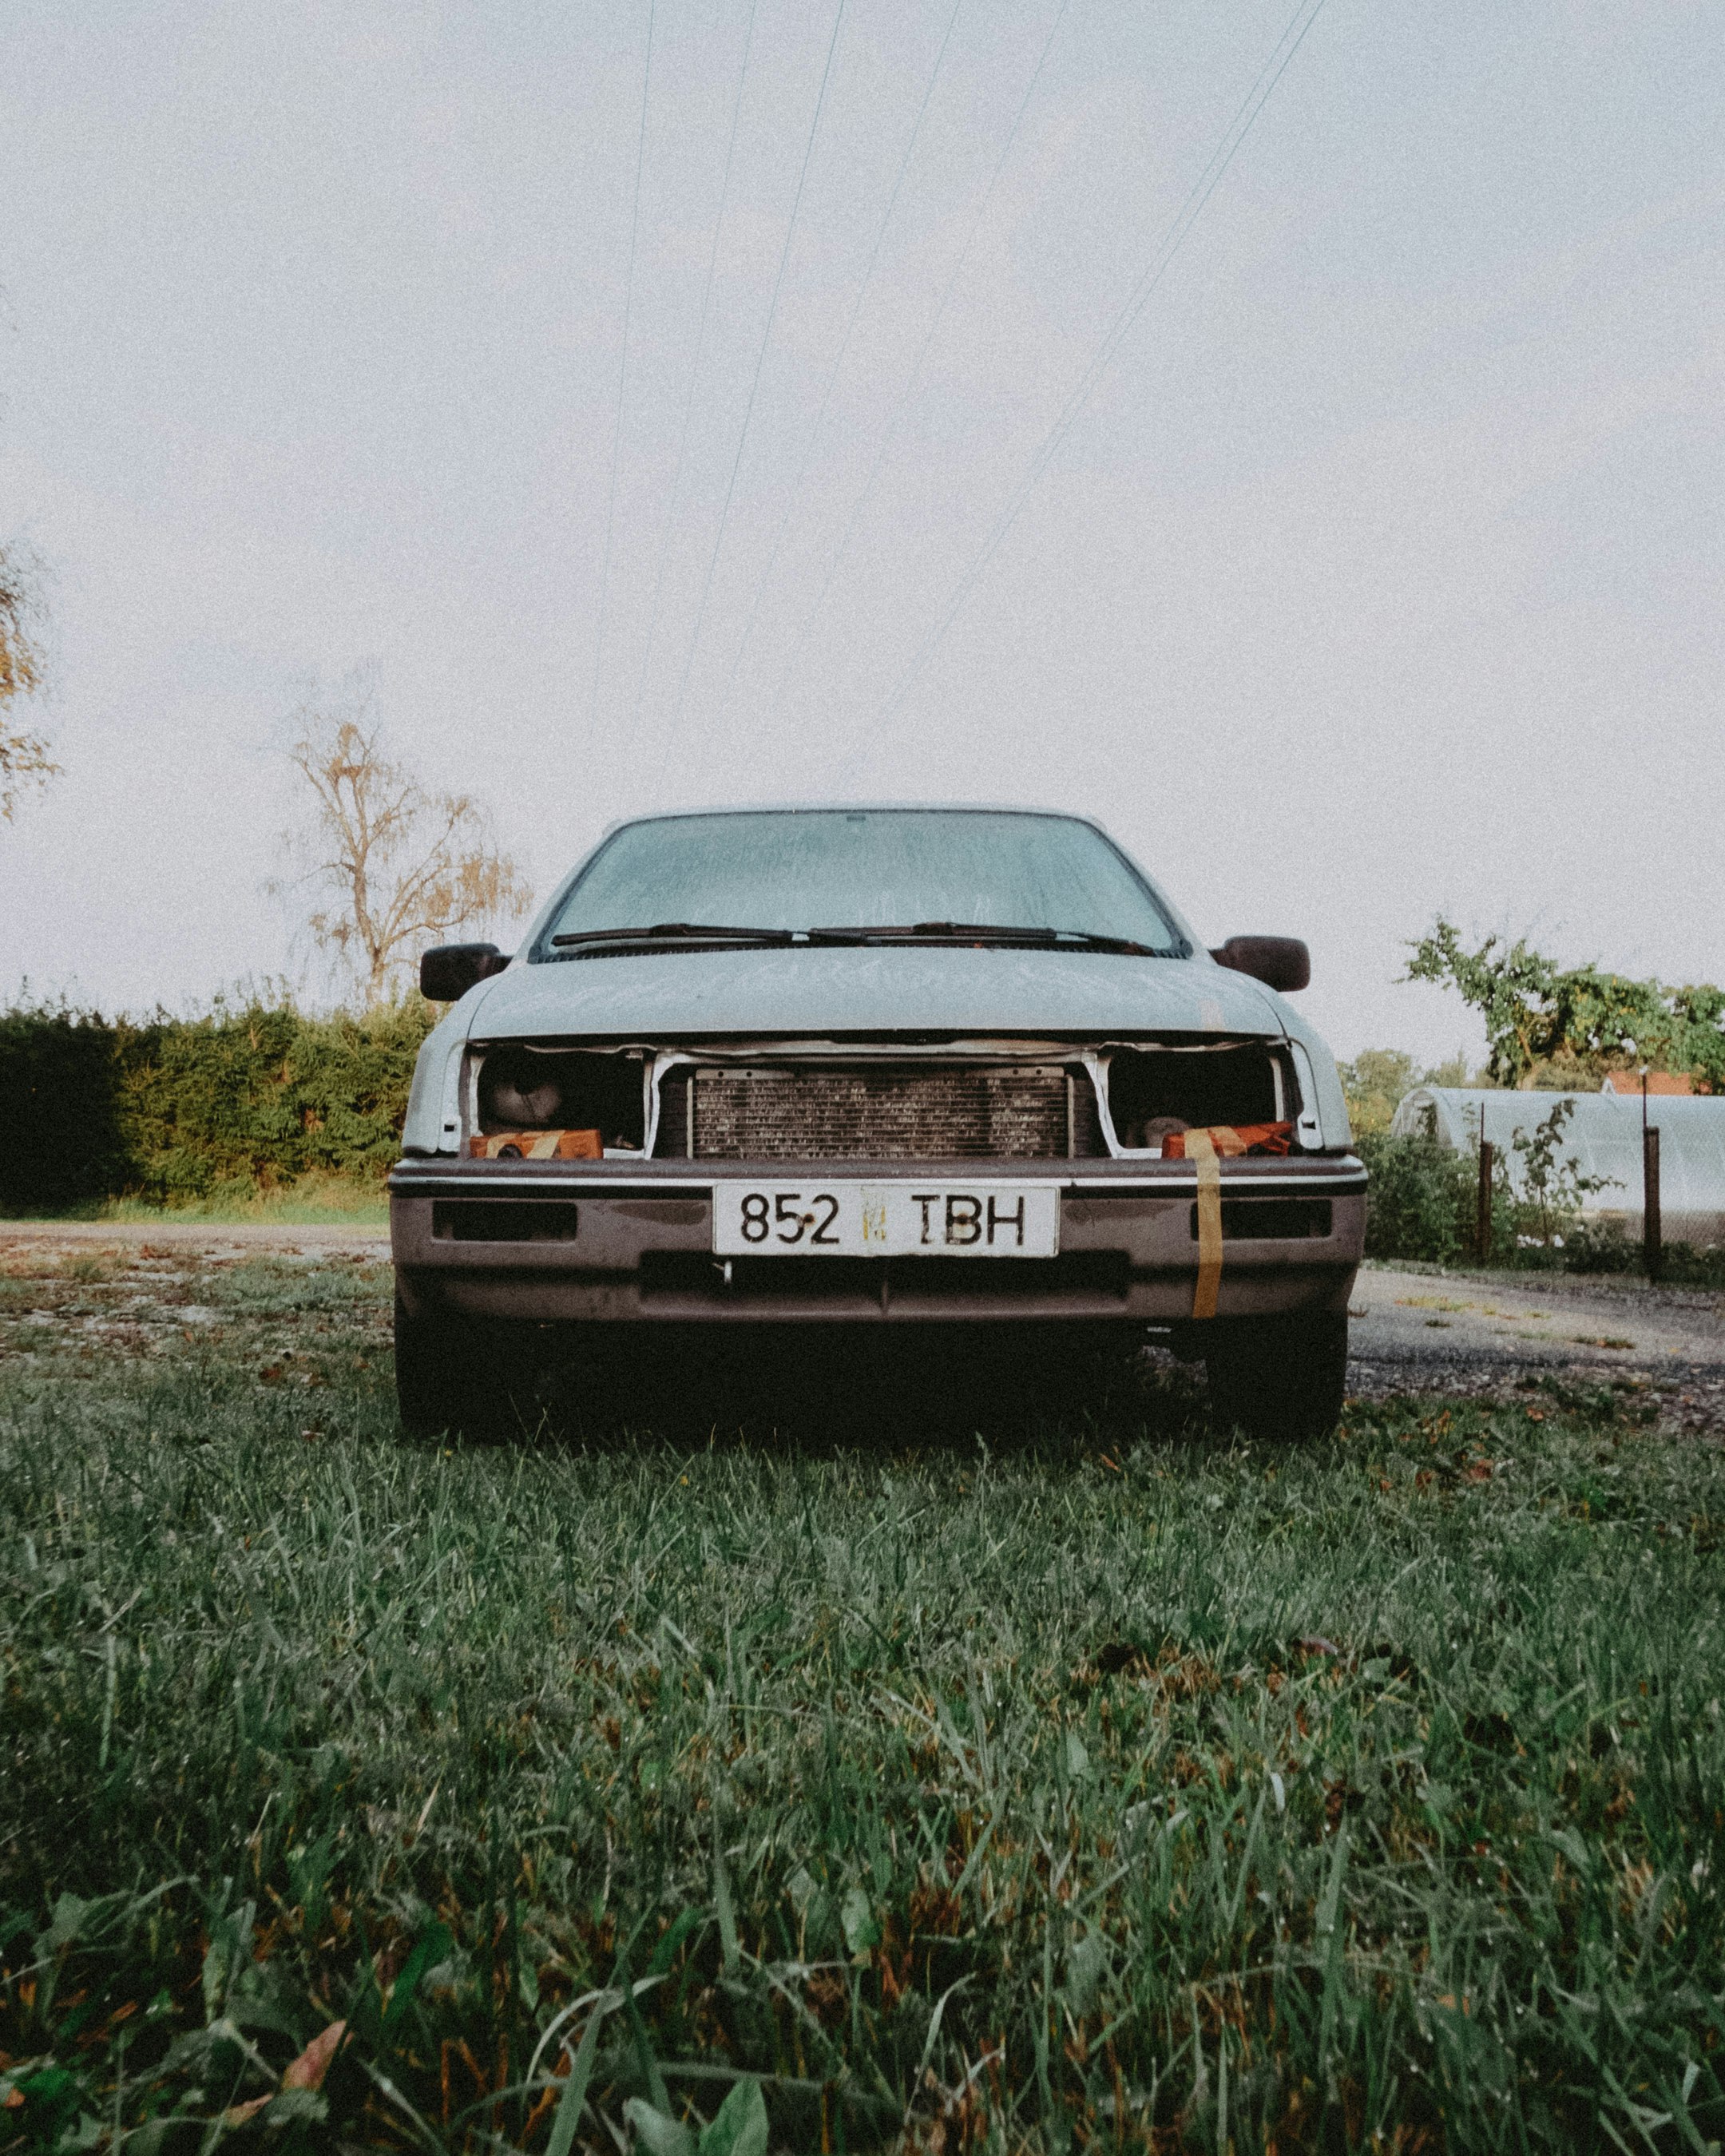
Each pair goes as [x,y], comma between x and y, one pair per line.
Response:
[629,300]
[795,491]
[1203,189]
[916,374]
[754,386]
[695,371]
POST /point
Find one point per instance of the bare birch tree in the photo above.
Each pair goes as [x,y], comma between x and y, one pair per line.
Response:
[23,755]
[393,865]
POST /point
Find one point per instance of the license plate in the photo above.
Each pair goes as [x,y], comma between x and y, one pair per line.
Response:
[887,1219]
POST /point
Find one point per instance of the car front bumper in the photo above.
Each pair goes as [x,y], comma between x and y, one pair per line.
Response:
[616,1240]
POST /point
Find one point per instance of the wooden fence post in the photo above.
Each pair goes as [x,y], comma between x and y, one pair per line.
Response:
[1482,1221]
[1652,1237]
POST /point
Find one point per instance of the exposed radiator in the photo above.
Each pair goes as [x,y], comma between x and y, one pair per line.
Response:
[1037,1111]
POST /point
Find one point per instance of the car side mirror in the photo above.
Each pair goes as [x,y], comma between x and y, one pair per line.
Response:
[448,970]
[1279,962]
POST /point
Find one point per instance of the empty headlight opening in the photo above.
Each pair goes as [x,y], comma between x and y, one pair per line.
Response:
[1152,1090]
[520,1087]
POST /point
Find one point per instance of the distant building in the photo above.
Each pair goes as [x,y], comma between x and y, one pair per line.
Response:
[1667,1082]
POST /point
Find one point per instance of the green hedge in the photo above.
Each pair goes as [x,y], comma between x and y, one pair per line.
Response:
[172,1110]
[169,1110]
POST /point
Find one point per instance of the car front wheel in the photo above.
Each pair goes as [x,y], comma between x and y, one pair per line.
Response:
[1278,1377]
[450,1373]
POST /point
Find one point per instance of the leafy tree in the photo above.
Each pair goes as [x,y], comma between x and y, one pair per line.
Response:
[1379,1079]
[23,755]
[394,865]
[1374,1082]
[1453,1071]
[1576,1023]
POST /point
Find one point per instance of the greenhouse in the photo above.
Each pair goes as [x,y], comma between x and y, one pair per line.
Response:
[1601,1137]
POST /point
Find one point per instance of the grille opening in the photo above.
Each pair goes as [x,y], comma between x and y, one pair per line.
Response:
[919,1111]
[1149,1086]
[536,1089]
[1271,1219]
[503,1220]
[686,1274]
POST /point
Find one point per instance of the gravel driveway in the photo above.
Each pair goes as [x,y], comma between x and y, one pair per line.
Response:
[1427,1331]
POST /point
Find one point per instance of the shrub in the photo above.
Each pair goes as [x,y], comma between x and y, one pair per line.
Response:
[1422,1202]
[64,1143]
[169,1110]
[1422,1199]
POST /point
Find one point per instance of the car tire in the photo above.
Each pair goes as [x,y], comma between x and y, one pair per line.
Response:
[449,1374]
[1279,1377]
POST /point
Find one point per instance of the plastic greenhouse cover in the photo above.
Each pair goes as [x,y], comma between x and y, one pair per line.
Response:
[1602,1137]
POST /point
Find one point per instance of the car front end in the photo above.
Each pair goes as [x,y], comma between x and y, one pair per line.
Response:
[907,1123]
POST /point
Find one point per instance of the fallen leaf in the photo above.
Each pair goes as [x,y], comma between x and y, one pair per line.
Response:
[305,2072]
[308,2070]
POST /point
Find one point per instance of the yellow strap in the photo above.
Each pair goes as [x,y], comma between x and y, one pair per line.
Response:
[1202,1153]
[544,1148]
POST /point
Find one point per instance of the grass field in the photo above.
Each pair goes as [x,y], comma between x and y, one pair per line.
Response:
[310,1200]
[1105,1783]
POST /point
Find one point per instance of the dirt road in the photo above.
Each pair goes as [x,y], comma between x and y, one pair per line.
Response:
[363,1240]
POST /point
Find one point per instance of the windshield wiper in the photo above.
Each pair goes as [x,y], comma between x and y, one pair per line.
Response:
[957,932]
[987,931]
[1090,939]
[676,931]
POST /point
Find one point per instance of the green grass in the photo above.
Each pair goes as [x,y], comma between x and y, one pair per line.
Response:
[313,1200]
[316,1198]
[1108,1783]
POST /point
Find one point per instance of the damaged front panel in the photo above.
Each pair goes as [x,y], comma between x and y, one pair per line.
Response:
[766,1101]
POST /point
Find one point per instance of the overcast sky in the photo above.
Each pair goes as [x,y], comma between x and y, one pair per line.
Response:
[1380,575]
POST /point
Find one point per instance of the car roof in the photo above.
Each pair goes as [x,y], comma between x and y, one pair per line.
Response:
[857,809]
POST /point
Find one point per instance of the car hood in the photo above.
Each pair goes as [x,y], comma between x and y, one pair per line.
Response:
[819,992]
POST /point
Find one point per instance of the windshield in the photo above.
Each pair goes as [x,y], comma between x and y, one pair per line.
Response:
[886,868]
